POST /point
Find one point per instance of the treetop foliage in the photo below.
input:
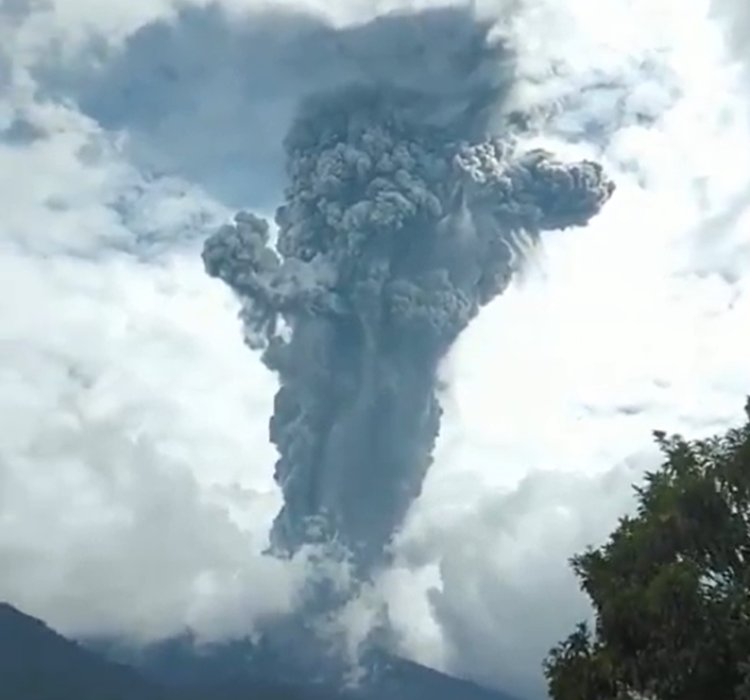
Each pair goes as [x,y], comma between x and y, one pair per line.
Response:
[671,587]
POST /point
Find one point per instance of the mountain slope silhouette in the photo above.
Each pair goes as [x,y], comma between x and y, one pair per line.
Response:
[37,663]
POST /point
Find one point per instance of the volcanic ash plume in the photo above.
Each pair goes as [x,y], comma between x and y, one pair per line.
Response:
[393,235]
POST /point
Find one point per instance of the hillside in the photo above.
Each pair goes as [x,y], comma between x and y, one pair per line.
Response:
[37,663]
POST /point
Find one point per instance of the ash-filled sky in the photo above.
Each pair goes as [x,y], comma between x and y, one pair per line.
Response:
[136,488]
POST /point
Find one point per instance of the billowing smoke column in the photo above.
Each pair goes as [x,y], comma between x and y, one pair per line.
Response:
[397,227]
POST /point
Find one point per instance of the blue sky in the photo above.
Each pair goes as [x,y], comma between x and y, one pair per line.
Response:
[135,471]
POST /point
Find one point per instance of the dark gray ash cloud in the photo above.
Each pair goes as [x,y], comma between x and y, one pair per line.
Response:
[408,207]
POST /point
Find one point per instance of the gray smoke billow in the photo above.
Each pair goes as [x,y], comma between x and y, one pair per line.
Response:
[408,208]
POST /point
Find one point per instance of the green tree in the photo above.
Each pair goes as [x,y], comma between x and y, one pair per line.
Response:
[671,587]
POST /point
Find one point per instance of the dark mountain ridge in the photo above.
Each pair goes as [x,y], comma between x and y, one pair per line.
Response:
[37,663]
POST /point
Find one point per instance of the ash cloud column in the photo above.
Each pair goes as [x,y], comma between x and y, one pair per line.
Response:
[396,229]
